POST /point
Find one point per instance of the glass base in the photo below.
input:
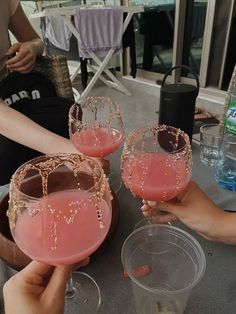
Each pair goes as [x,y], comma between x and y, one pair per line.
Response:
[85,296]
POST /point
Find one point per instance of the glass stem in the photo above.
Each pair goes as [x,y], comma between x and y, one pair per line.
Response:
[114,177]
[71,291]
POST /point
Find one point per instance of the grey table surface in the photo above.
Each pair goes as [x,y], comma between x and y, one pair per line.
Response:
[216,292]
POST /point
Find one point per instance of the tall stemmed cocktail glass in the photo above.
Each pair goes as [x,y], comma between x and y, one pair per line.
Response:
[101,131]
[60,213]
[156,162]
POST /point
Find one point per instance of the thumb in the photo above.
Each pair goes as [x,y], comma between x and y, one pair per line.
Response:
[172,207]
[61,274]
[13,49]
[82,263]
[58,280]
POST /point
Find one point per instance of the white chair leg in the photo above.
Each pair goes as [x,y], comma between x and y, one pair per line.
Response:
[76,94]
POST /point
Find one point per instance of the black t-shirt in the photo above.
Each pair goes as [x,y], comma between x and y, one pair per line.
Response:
[33,95]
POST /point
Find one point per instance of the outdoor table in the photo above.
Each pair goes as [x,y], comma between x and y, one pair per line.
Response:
[215,293]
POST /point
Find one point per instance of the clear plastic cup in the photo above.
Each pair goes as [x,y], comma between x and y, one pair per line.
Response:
[164,263]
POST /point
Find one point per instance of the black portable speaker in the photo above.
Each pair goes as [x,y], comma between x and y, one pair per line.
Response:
[177,103]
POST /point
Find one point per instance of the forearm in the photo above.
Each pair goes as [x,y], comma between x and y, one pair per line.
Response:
[215,224]
[11,254]
[227,228]
[21,129]
[37,46]
[24,32]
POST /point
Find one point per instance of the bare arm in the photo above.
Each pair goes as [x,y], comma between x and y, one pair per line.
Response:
[29,46]
[21,27]
[12,255]
[21,129]
[198,212]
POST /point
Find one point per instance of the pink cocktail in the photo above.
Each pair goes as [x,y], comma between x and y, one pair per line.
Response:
[65,227]
[100,132]
[155,176]
[156,162]
[60,213]
[97,142]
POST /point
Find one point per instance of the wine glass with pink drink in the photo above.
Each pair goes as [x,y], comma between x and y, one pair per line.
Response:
[156,163]
[60,213]
[100,133]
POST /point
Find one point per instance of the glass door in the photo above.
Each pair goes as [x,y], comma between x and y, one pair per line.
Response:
[193,35]
[173,32]
[154,35]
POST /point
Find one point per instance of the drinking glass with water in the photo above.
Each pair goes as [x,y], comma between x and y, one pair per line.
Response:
[211,136]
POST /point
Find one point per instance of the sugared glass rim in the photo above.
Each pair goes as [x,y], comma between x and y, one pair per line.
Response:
[137,133]
[80,104]
[14,187]
[206,128]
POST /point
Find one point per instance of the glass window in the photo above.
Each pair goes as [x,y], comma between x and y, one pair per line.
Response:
[223,49]
[196,33]
[193,35]
[154,33]
[230,57]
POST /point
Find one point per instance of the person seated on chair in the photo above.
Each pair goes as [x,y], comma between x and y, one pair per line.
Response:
[25,90]
[23,53]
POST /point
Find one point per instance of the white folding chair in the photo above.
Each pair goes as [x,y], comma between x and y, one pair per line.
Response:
[100,66]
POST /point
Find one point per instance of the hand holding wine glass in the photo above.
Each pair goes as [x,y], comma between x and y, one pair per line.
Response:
[156,162]
[60,213]
[197,211]
[36,287]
